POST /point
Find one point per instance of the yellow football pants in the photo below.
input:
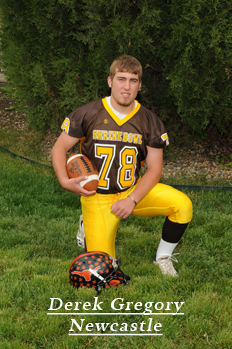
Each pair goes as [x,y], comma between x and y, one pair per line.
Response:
[100,224]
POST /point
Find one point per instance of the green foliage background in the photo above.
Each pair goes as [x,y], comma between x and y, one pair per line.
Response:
[57,55]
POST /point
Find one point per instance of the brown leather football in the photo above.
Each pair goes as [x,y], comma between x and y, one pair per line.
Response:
[79,165]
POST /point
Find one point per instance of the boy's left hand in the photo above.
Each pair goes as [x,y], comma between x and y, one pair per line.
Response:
[123,208]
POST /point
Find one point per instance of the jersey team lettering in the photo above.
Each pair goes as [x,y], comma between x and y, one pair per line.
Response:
[117,136]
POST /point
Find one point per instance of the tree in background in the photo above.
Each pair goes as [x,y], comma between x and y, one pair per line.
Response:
[197,56]
[57,55]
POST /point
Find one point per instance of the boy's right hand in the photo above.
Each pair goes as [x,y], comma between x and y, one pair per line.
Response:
[73,185]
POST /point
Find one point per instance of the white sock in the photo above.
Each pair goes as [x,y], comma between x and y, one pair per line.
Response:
[165,249]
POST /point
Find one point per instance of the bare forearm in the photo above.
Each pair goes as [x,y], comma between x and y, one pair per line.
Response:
[59,152]
[146,183]
[59,164]
[154,162]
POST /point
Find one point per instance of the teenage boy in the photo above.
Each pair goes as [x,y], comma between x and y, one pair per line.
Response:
[118,134]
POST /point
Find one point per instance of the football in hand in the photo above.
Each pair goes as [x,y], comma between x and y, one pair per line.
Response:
[79,165]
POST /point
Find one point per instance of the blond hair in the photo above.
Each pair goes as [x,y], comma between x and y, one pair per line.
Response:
[128,64]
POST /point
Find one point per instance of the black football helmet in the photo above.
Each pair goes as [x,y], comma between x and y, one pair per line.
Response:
[97,270]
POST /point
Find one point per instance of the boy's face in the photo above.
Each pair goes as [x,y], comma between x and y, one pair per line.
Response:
[124,88]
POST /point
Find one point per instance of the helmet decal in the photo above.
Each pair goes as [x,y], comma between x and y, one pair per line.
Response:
[86,273]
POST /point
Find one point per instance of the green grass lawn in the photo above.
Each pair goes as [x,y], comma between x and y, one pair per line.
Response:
[38,226]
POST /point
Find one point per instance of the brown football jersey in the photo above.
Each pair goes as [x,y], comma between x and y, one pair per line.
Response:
[117,147]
